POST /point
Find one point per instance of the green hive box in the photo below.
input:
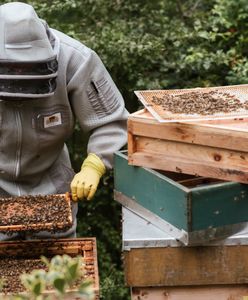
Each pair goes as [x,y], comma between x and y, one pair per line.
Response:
[192,210]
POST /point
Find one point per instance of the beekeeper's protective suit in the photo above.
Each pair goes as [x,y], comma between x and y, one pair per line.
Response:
[48,79]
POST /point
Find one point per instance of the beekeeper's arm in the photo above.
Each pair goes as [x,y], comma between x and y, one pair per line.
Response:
[99,107]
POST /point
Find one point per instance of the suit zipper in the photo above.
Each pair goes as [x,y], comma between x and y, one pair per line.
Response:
[19,142]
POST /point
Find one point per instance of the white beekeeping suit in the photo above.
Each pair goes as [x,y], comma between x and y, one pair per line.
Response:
[47,81]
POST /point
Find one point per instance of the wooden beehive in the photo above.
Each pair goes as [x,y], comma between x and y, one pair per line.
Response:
[216,149]
[158,267]
[85,247]
[191,209]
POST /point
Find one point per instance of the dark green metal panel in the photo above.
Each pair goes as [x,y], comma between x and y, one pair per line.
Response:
[153,191]
[219,205]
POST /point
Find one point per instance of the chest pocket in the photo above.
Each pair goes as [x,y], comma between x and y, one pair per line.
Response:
[53,126]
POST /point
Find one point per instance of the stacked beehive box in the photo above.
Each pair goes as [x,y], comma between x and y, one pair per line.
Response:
[158,267]
[176,177]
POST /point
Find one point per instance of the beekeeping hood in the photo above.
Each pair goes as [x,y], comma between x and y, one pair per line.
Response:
[28,53]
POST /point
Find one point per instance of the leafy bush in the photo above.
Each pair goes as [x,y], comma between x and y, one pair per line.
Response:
[63,276]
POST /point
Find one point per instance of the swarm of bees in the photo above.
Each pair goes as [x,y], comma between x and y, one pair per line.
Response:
[202,103]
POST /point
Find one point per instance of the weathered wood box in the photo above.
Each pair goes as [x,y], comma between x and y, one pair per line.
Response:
[192,209]
[33,250]
[157,267]
[213,148]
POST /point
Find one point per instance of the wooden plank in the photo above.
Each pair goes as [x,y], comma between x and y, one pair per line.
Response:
[230,292]
[182,151]
[237,124]
[131,143]
[43,247]
[196,167]
[197,181]
[186,266]
[177,176]
[233,137]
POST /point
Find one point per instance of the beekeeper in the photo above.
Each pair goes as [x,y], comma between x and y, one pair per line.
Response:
[47,80]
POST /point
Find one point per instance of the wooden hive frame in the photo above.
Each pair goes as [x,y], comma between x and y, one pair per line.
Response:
[237,92]
[41,226]
[85,247]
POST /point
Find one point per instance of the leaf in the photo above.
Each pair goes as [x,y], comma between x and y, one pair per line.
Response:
[59,284]
[52,275]
[37,288]
[45,260]
[86,284]
[73,269]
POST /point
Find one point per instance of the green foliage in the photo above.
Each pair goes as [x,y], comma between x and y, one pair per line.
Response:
[35,282]
[148,45]
[158,44]
[62,276]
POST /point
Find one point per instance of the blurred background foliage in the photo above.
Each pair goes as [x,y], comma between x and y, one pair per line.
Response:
[147,45]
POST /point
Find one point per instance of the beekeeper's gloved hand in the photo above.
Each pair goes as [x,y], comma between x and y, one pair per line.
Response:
[84,183]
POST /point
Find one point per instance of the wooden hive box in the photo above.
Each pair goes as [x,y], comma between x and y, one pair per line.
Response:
[32,250]
[191,209]
[217,149]
[157,267]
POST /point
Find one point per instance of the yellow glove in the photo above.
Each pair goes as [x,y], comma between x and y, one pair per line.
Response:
[84,183]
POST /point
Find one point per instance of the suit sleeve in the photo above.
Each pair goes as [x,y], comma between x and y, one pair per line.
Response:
[98,106]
